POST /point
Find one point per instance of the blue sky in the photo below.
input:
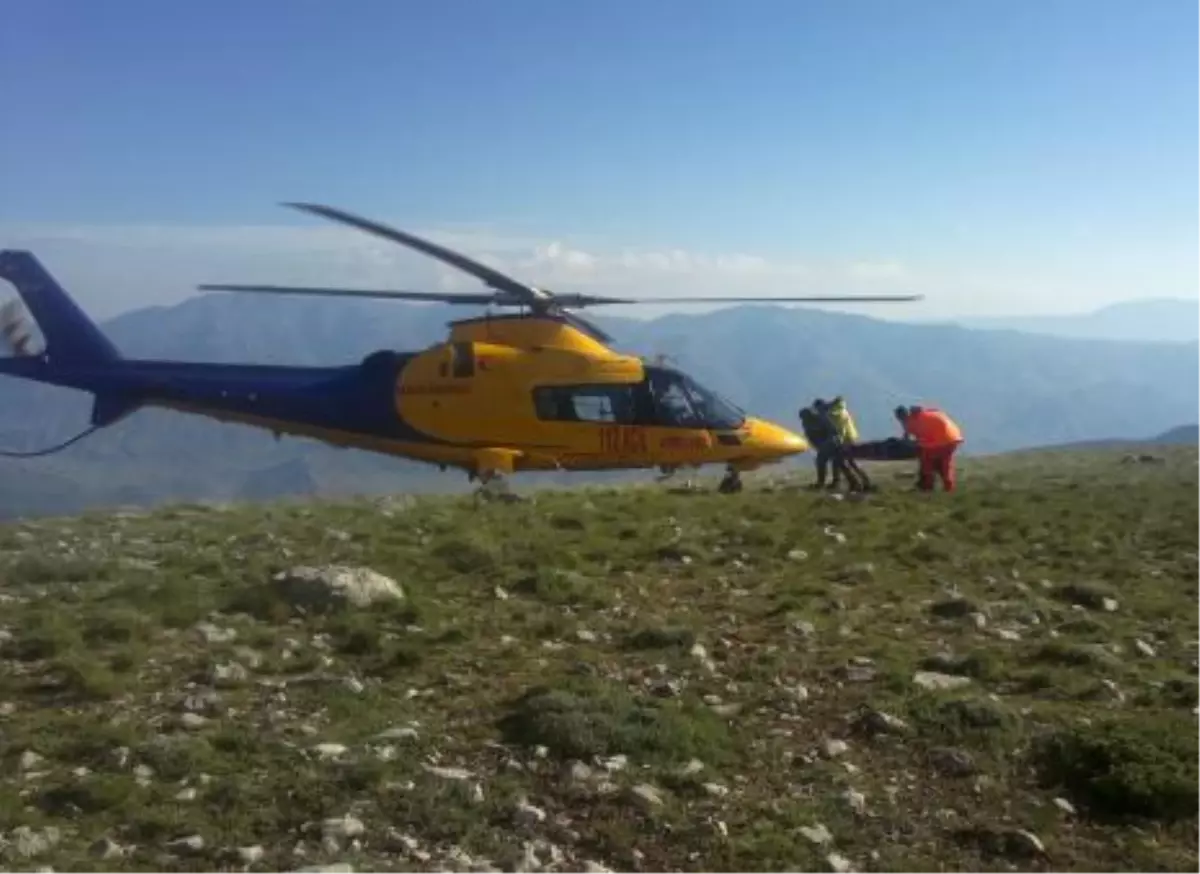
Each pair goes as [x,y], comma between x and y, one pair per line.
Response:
[1021,156]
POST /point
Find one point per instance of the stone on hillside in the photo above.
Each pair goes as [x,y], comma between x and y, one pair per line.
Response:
[934,681]
[817,834]
[251,855]
[30,842]
[839,863]
[334,587]
[187,845]
[647,794]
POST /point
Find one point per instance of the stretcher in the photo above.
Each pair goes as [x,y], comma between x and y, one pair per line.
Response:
[891,449]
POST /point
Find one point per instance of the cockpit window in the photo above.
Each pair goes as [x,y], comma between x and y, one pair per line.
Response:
[682,402]
[673,402]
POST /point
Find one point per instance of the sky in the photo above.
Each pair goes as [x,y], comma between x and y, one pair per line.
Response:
[997,156]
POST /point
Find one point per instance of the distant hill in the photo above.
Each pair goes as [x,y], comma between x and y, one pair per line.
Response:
[1183,435]
[1156,319]
[1007,389]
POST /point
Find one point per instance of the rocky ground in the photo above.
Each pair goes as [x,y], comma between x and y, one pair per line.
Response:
[1001,679]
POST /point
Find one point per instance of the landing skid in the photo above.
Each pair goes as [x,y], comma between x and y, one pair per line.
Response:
[668,475]
[731,483]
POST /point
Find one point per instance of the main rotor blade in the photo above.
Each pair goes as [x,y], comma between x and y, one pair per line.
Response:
[480,299]
[582,300]
[491,277]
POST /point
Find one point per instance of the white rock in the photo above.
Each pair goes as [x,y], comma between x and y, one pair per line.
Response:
[835,747]
[1144,648]
[585,635]
[193,721]
[816,834]
[214,634]
[335,586]
[228,674]
[856,800]
[591,867]
[1110,605]
[334,868]
[189,844]
[106,848]
[933,680]
[800,692]
[648,794]
[398,733]
[839,863]
[1064,805]
[330,750]
[614,763]
[448,773]
[30,842]
[342,827]
[250,855]
[530,813]
[717,790]
[694,766]
[30,760]
[188,793]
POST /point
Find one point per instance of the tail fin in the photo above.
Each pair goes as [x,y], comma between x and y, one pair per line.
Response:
[71,337]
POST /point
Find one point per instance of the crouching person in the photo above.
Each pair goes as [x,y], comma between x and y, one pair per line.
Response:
[937,437]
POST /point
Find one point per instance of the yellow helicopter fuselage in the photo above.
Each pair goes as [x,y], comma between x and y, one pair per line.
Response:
[509,394]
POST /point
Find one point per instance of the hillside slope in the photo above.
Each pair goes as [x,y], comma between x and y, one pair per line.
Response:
[1008,390]
[1000,679]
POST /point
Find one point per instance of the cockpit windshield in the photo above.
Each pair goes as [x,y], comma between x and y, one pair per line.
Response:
[682,402]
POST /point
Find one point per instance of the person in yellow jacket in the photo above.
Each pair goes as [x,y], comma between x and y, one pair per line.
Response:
[838,415]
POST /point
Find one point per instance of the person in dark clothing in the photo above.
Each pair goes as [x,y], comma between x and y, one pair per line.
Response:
[822,434]
[837,414]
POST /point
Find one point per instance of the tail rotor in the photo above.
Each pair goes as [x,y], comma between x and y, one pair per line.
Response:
[16,329]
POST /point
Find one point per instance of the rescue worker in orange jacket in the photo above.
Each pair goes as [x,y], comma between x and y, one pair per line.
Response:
[938,438]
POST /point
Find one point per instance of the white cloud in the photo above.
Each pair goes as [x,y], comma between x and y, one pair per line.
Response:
[878,270]
[111,268]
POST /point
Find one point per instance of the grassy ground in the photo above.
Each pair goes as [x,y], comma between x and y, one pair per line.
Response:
[622,678]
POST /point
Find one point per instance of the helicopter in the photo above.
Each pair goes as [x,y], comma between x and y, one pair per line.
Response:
[541,389]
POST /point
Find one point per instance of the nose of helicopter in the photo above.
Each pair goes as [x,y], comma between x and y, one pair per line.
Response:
[771,439]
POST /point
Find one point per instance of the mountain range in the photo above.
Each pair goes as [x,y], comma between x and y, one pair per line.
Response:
[1008,389]
[1151,319]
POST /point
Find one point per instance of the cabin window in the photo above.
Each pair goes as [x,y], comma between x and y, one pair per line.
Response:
[610,404]
[463,358]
